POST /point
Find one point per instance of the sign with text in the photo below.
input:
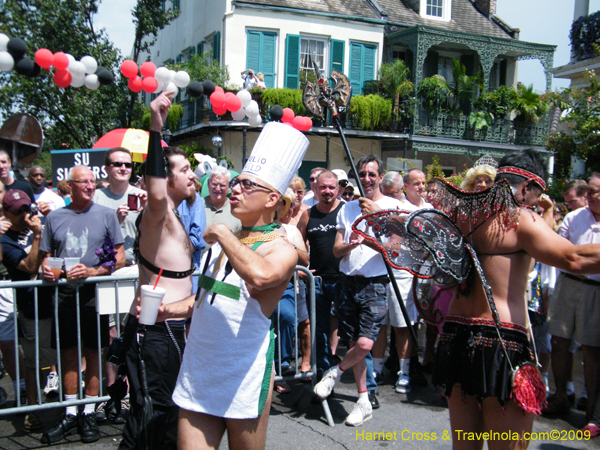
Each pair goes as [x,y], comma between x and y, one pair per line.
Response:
[63,160]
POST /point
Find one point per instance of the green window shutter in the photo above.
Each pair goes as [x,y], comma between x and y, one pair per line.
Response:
[217,46]
[162,5]
[356,80]
[292,61]
[200,48]
[338,49]
[176,4]
[253,39]
[369,62]
[171,62]
[178,59]
[192,52]
[267,64]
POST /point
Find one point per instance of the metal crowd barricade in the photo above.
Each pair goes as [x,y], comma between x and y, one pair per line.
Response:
[115,280]
[297,374]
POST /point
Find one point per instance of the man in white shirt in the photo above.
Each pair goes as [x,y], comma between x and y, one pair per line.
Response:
[361,294]
[574,311]
[416,188]
[42,195]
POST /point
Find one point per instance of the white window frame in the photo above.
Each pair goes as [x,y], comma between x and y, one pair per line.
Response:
[326,52]
[446,11]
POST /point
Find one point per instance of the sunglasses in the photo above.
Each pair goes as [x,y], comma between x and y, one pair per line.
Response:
[369,174]
[119,164]
[247,185]
[312,179]
[348,194]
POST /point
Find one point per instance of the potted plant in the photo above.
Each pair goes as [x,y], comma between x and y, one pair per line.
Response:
[394,79]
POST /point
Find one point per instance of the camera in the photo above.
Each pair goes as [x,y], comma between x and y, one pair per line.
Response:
[33,209]
[133,202]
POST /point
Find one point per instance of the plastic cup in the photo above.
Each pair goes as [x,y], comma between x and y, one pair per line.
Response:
[55,265]
[151,300]
[69,263]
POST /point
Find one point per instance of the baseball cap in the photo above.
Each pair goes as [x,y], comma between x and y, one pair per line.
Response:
[14,200]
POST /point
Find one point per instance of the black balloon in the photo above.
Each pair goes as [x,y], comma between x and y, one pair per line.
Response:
[36,70]
[209,87]
[195,89]
[24,66]
[105,76]
[276,112]
[17,48]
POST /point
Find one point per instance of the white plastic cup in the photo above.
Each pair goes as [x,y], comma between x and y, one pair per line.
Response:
[151,300]
[55,265]
[69,263]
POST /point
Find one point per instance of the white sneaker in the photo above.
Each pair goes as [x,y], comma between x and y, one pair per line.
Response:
[324,387]
[51,383]
[403,384]
[361,413]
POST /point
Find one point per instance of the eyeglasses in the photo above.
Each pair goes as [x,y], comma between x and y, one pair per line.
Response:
[84,182]
[247,185]
[217,185]
[592,192]
[369,174]
[119,164]
[343,183]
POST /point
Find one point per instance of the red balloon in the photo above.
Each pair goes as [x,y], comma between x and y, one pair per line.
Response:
[129,68]
[149,84]
[219,111]
[308,123]
[136,84]
[44,58]
[288,115]
[298,123]
[219,89]
[63,78]
[147,70]
[233,102]
[217,100]
[61,61]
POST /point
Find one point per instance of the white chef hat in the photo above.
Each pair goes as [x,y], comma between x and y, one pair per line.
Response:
[277,155]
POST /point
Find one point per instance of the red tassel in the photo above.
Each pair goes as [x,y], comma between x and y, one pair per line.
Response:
[529,390]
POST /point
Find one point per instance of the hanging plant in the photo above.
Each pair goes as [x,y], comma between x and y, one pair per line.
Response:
[371,111]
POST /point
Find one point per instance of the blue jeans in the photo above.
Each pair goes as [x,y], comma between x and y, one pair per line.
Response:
[324,294]
[286,328]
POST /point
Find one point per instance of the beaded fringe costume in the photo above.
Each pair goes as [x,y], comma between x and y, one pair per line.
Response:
[428,244]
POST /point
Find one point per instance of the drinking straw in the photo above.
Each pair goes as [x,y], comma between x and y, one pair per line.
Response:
[157,278]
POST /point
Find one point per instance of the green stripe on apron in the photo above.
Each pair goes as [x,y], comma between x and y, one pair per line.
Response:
[266,383]
[218,287]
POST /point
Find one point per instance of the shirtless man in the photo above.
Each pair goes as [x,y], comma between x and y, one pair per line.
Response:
[477,404]
[162,243]
[226,379]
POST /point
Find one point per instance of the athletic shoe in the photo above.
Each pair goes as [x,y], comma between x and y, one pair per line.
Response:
[378,378]
[403,384]
[361,413]
[51,384]
[324,387]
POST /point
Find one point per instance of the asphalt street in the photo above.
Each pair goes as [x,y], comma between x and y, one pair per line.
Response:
[418,420]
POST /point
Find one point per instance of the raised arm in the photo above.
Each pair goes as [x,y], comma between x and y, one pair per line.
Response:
[31,264]
[156,174]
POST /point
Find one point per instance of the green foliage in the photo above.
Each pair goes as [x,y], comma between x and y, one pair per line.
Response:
[433,92]
[371,111]
[459,102]
[480,119]
[76,117]
[556,188]
[173,116]
[203,67]
[499,103]
[529,105]
[226,158]
[284,97]
[395,81]
[434,169]
[141,114]
[149,17]
[44,160]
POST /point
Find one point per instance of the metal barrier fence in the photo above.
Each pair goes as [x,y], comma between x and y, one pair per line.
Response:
[119,289]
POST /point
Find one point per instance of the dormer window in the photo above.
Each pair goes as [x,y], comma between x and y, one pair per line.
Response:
[436,9]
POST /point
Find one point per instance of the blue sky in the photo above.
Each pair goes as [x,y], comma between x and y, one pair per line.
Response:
[540,21]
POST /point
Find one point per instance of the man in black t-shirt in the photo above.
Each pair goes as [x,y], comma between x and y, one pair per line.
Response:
[9,182]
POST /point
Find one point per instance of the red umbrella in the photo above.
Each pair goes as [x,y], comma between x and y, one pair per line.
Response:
[134,140]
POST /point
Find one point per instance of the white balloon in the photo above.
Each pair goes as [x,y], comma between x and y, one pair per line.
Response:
[3,42]
[171,87]
[171,74]
[162,75]
[77,69]
[239,114]
[159,88]
[91,81]
[181,79]
[89,63]
[77,82]
[255,121]
[6,61]
[245,97]
[71,60]
[252,109]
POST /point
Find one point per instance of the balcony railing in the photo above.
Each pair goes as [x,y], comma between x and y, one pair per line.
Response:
[501,131]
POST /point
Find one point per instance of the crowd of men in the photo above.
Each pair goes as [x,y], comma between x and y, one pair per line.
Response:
[175,399]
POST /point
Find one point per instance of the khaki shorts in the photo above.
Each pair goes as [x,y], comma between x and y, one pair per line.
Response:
[575,308]
[47,354]
[395,317]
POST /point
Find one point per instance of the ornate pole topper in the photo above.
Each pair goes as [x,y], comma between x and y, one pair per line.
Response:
[320,98]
